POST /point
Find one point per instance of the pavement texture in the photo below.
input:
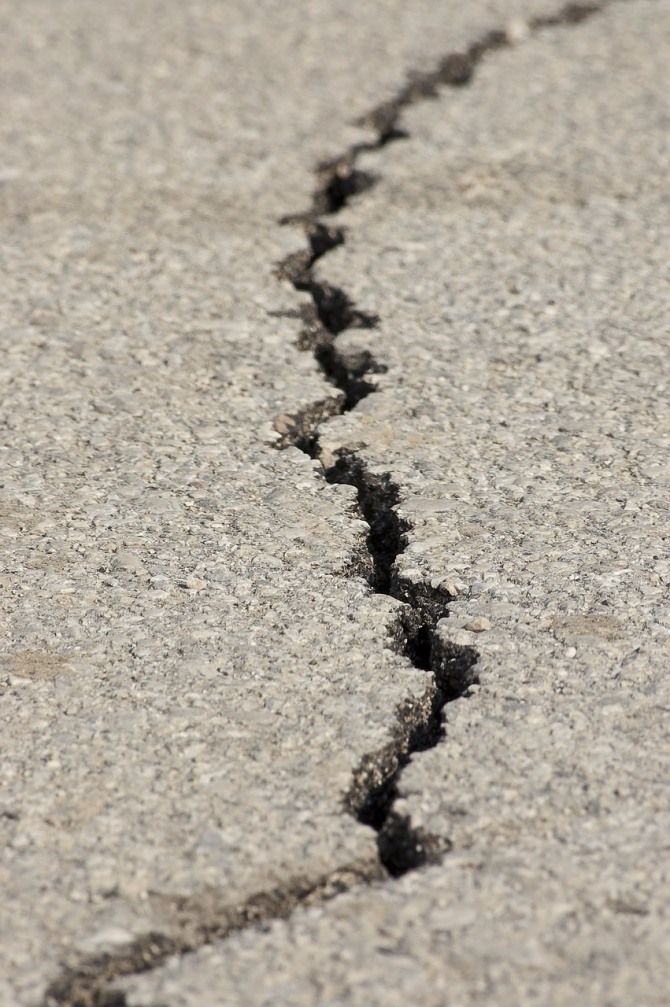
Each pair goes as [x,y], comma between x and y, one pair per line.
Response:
[335,572]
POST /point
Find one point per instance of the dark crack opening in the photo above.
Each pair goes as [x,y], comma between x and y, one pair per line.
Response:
[451,669]
[341,181]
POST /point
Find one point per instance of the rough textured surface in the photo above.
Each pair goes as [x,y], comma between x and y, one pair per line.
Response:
[515,250]
[189,679]
[192,672]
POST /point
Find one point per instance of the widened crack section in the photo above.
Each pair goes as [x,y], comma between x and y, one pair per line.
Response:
[452,669]
[340,180]
[377,499]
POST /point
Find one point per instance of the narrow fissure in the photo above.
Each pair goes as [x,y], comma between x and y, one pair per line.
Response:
[450,668]
[194,923]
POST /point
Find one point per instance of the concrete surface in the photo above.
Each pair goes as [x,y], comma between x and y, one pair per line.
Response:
[192,674]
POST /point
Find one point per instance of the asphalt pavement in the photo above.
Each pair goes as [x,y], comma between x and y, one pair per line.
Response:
[334,504]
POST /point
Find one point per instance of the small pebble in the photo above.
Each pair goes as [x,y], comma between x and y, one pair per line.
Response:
[478,625]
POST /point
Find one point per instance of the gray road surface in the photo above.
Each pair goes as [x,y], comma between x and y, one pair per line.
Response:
[209,667]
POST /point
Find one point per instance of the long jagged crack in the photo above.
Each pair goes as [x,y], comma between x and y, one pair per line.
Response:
[451,669]
[331,312]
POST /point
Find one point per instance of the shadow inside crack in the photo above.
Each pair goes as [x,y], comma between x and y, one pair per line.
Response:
[451,669]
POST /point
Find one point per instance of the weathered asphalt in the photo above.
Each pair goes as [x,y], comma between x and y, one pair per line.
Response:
[210,670]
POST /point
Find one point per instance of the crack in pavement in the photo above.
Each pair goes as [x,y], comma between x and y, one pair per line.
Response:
[418,726]
[197,922]
[450,668]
